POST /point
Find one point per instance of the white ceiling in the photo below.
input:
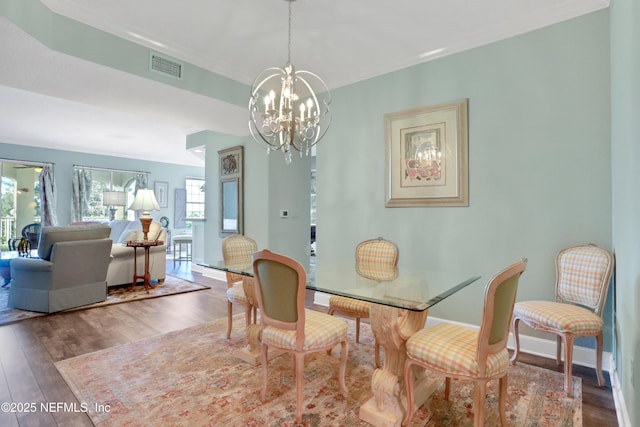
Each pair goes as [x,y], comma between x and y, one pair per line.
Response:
[49,99]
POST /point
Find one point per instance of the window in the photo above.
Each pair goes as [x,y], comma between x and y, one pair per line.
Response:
[195,198]
[90,184]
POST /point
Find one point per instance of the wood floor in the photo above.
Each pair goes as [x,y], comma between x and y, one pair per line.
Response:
[29,349]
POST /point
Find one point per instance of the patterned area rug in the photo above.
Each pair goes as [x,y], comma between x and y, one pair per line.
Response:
[116,295]
[190,377]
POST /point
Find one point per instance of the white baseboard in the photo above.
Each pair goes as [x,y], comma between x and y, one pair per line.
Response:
[540,347]
[209,272]
[618,398]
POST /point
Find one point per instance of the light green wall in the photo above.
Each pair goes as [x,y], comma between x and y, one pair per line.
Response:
[64,161]
[269,186]
[539,168]
[625,135]
[290,190]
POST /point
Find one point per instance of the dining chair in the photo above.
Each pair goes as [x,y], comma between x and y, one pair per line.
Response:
[280,285]
[583,274]
[456,351]
[371,254]
[238,248]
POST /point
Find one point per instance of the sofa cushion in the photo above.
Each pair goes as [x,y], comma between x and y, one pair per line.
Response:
[50,235]
[130,232]
[117,227]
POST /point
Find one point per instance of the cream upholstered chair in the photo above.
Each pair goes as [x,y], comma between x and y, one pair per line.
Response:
[583,274]
[280,284]
[370,255]
[459,352]
[237,248]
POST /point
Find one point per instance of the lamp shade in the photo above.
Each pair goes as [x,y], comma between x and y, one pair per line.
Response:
[145,201]
[114,198]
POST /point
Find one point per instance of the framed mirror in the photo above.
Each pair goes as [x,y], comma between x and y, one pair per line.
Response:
[231,194]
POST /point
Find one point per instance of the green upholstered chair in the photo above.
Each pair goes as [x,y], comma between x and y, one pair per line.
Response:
[372,256]
[280,285]
[583,274]
[456,351]
[238,249]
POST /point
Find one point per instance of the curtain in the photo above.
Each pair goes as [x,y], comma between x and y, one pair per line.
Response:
[141,182]
[81,193]
[47,196]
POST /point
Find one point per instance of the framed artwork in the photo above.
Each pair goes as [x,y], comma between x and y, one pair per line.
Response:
[161,190]
[426,162]
[231,189]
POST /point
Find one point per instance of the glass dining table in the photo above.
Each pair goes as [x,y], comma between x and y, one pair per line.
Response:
[400,301]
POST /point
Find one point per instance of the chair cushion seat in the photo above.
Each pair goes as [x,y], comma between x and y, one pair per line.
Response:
[235,294]
[320,330]
[453,349]
[559,317]
[349,306]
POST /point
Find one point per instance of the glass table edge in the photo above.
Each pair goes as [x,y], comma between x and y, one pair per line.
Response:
[312,287]
[410,305]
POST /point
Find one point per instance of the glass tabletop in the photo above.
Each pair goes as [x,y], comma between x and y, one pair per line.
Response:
[415,290]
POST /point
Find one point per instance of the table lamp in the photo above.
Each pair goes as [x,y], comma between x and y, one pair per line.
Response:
[113,199]
[145,201]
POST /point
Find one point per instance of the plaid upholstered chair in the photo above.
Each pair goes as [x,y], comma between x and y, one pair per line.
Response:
[371,255]
[456,351]
[237,248]
[280,285]
[583,274]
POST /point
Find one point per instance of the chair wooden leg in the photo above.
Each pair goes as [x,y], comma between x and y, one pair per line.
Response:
[264,353]
[408,383]
[377,351]
[516,337]
[344,355]
[479,403]
[559,349]
[502,401]
[447,388]
[330,313]
[299,385]
[357,329]
[247,314]
[568,364]
[599,345]
[229,319]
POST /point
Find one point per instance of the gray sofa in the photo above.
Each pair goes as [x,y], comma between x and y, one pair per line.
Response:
[71,270]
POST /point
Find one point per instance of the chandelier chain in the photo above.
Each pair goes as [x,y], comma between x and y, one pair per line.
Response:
[289,40]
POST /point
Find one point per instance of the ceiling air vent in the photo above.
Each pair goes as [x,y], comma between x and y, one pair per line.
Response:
[165,66]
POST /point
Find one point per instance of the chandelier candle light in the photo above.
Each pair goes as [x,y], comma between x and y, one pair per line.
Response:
[145,201]
[288,108]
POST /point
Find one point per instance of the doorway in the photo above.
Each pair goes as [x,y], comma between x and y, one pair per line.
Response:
[20,199]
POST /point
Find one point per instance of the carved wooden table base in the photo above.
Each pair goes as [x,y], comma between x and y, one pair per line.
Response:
[392,327]
[251,352]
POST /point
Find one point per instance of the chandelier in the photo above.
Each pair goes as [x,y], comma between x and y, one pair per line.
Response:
[289,109]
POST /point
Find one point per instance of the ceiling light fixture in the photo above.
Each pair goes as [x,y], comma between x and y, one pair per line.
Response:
[288,108]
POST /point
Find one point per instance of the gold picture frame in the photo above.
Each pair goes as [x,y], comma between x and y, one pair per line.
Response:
[426,160]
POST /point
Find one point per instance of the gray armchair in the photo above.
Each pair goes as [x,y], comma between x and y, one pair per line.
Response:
[71,270]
